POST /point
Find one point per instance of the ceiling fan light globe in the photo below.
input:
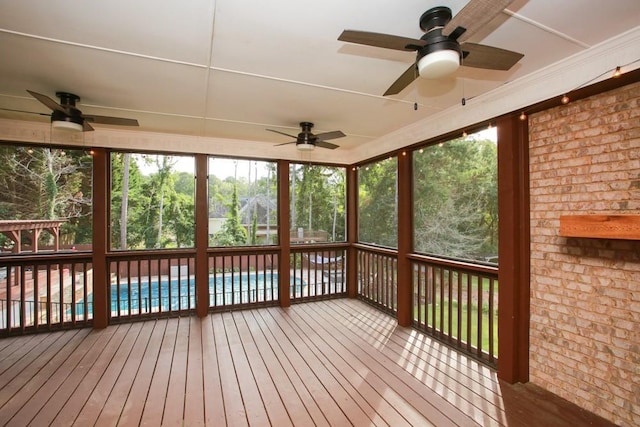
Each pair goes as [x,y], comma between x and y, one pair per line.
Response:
[66,125]
[439,64]
[305,147]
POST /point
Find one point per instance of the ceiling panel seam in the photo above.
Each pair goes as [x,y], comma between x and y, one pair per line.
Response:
[103,49]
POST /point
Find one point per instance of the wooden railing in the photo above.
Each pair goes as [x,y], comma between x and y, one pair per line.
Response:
[243,277]
[457,302]
[45,292]
[453,301]
[378,277]
[318,272]
[150,284]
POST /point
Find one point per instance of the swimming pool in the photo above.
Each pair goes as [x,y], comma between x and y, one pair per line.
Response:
[179,293]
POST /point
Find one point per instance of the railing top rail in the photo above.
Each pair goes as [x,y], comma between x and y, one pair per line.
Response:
[243,250]
[40,258]
[318,247]
[458,265]
[376,249]
[159,253]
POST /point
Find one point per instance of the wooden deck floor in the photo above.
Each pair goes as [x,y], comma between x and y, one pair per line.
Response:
[329,363]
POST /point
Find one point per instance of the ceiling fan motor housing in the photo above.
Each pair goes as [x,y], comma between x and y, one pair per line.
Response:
[441,54]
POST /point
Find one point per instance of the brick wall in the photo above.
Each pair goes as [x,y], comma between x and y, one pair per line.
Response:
[585,293]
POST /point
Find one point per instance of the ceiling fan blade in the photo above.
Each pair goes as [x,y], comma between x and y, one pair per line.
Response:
[285,143]
[489,57]
[387,41]
[53,105]
[403,81]
[475,15]
[107,120]
[330,135]
[325,144]
[23,111]
[282,133]
[86,127]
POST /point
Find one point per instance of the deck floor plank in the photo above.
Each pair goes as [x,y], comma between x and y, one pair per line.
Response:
[292,402]
[15,349]
[315,391]
[268,392]
[154,405]
[350,404]
[194,413]
[110,413]
[467,378]
[455,390]
[253,403]
[212,386]
[23,356]
[371,393]
[234,409]
[392,405]
[99,396]
[338,362]
[134,405]
[310,406]
[20,391]
[175,400]
[97,342]
[74,403]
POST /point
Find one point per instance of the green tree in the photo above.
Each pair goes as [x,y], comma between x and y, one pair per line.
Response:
[455,198]
[232,232]
[377,203]
[47,183]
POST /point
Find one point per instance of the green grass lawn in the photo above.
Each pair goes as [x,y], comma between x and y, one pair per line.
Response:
[452,329]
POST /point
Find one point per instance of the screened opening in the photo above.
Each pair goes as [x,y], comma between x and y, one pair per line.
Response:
[243,202]
[318,197]
[45,199]
[455,198]
[378,203]
[152,201]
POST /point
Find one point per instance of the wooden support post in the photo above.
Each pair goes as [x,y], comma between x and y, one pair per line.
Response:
[101,280]
[405,238]
[284,259]
[513,249]
[202,236]
[352,232]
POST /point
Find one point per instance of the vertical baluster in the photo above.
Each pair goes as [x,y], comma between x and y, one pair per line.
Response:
[72,274]
[85,291]
[480,322]
[233,279]
[459,311]
[140,285]
[49,298]
[36,300]
[469,311]
[450,303]
[224,280]
[490,320]
[129,299]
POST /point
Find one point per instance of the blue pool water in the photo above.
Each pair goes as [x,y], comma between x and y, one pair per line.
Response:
[179,293]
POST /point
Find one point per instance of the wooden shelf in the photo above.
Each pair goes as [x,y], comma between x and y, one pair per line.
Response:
[601,226]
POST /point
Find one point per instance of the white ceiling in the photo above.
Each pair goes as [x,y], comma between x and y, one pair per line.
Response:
[233,68]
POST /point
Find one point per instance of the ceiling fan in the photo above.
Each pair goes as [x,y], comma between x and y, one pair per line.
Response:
[441,50]
[66,115]
[307,141]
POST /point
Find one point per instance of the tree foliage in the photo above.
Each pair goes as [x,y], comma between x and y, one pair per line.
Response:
[318,199]
[455,199]
[47,183]
[159,207]
[377,200]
